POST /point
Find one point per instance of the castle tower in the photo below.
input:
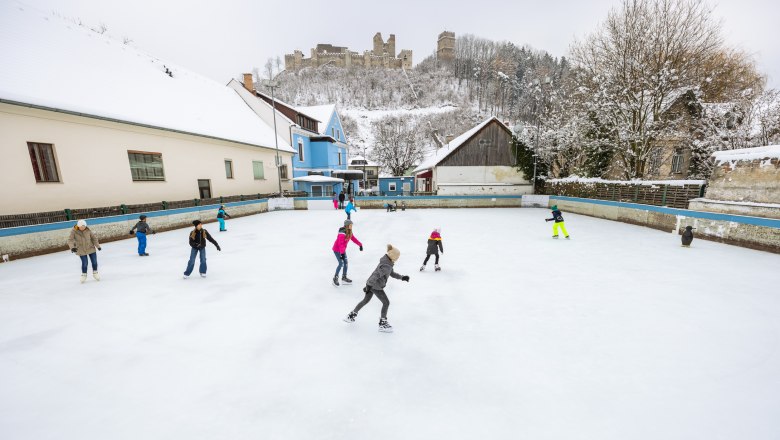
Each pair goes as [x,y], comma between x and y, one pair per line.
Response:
[391,46]
[378,44]
[445,47]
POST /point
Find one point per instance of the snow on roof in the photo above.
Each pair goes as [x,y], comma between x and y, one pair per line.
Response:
[321,113]
[317,179]
[768,152]
[577,179]
[53,63]
[368,162]
[439,155]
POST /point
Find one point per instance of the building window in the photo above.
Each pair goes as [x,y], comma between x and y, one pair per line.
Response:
[228,168]
[677,162]
[339,157]
[146,166]
[391,186]
[333,131]
[300,150]
[43,163]
[283,171]
[257,169]
[338,134]
[204,188]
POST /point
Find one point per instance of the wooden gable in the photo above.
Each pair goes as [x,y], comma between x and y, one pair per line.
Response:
[491,146]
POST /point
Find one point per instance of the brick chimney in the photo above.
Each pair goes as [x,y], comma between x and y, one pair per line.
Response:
[249,83]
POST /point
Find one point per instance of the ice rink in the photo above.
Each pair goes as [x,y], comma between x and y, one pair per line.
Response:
[619,333]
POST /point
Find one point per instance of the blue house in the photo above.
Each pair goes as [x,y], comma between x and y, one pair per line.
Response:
[396,186]
[320,167]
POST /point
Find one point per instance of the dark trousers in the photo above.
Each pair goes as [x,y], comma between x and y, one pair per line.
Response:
[191,263]
[429,256]
[342,263]
[379,294]
[141,242]
[341,204]
[92,259]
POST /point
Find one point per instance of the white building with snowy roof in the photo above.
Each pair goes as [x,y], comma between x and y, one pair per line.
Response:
[87,121]
[480,161]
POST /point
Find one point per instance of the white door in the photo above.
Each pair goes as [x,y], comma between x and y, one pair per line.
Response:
[407,188]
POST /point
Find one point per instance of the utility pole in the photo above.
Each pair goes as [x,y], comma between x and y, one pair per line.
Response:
[271,84]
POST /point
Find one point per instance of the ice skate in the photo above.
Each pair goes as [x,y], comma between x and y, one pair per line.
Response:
[146,255]
[336,281]
[83,278]
[185,276]
[384,326]
[438,268]
[351,317]
[346,280]
[203,275]
[422,268]
[567,237]
[96,275]
[555,236]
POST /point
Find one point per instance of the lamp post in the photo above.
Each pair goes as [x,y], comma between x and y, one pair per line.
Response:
[271,84]
[533,188]
[365,187]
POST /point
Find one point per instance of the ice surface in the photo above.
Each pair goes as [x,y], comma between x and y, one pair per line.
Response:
[619,333]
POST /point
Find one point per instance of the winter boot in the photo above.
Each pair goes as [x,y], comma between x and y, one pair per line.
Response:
[384,326]
[438,268]
[83,278]
[422,268]
[96,275]
[346,280]
[351,317]
[336,280]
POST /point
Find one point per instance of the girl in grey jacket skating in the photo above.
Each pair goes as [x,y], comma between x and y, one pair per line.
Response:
[376,284]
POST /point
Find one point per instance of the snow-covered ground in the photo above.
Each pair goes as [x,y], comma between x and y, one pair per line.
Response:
[617,334]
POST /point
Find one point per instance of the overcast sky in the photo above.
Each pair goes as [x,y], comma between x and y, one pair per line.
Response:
[221,39]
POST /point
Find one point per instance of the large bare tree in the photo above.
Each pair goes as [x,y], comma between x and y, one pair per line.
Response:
[398,143]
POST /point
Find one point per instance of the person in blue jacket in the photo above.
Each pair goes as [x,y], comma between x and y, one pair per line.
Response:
[221,215]
[558,218]
[350,208]
[140,230]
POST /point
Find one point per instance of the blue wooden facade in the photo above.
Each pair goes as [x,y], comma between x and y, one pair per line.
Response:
[396,186]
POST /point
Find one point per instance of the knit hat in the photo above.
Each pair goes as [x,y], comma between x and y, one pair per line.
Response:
[142,217]
[393,253]
[554,207]
[437,229]
[81,223]
[347,222]
[195,222]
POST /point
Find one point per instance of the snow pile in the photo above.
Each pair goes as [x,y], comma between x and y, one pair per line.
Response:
[748,154]
[594,180]
[53,63]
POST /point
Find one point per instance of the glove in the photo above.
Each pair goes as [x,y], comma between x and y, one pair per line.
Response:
[405,278]
[73,250]
[131,233]
[366,289]
[343,256]
[442,251]
[361,248]
[547,219]
[219,248]
[99,248]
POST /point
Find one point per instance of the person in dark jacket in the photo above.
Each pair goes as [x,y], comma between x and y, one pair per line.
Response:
[198,238]
[221,215]
[558,217]
[434,246]
[376,286]
[141,230]
[342,197]
[687,236]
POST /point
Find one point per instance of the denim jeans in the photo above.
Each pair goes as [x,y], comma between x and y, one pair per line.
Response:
[141,242]
[342,262]
[191,263]
[92,259]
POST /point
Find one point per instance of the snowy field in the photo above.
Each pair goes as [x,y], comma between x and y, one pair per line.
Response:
[617,334]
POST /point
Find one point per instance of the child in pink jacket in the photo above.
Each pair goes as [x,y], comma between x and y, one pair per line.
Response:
[340,251]
[335,201]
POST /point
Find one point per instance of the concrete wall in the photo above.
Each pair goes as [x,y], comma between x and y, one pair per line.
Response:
[94,169]
[736,208]
[746,181]
[27,241]
[752,232]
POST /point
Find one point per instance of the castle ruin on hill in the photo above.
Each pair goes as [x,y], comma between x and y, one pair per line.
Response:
[382,55]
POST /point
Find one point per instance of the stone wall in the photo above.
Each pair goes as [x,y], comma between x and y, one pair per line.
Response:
[746,181]
[746,231]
